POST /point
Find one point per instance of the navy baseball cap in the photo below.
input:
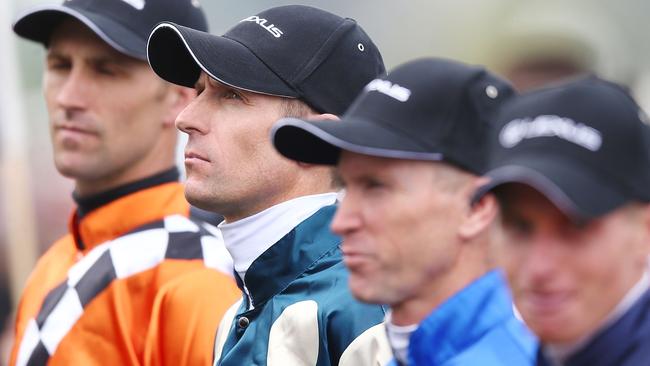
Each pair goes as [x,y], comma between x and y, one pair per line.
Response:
[123,24]
[583,144]
[427,109]
[290,51]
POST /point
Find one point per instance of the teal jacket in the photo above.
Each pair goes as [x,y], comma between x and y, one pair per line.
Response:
[303,312]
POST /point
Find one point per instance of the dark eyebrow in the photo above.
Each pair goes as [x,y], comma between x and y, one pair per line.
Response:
[53,54]
[100,60]
[108,60]
[218,84]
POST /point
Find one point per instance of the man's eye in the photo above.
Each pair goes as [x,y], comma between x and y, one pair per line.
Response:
[231,94]
[374,184]
[59,66]
[105,71]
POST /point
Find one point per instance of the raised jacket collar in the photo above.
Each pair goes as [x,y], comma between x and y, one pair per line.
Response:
[463,320]
[127,213]
[291,256]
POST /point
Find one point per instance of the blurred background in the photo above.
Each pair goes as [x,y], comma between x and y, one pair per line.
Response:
[530,42]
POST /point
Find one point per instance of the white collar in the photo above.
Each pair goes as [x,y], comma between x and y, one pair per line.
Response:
[248,238]
[560,353]
[399,337]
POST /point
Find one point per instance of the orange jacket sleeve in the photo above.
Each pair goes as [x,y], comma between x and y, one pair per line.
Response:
[185,318]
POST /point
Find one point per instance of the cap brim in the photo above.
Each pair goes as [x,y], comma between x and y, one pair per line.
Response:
[321,142]
[39,23]
[178,54]
[572,188]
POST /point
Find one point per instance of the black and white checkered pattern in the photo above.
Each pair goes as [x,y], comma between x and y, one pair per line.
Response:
[174,237]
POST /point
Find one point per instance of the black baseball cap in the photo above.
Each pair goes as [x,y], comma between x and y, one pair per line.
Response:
[583,144]
[123,24]
[427,109]
[290,51]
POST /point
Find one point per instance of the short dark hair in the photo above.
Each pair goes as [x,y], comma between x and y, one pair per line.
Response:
[295,108]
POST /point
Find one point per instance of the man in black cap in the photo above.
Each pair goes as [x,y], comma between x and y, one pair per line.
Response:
[90,298]
[284,61]
[571,170]
[410,151]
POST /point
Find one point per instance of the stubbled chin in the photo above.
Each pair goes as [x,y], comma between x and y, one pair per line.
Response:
[196,194]
[362,291]
[74,165]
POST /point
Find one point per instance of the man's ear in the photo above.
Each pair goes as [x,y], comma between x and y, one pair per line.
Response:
[480,214]
[177,99]
[324,116]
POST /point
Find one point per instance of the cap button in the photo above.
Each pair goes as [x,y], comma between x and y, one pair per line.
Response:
[491,91]
[243,322]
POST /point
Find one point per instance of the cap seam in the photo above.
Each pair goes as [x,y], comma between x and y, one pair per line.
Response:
[292,87]
[304,71]
[119,21]
[465,96]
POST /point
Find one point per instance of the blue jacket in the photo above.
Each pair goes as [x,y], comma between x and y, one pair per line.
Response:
[624,343]
[475,327]
[303,311]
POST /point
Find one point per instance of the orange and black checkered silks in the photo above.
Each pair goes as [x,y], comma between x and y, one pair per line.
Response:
[109,313]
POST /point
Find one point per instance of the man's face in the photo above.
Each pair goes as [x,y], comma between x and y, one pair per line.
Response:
[567,277]
[399,227]
[106,109]
[232,167]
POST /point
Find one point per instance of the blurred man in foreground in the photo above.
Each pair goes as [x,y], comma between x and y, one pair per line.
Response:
[571,170]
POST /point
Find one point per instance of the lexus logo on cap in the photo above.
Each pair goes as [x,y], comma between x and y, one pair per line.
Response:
[138,4]
[550,126]
[271,28]
[392,90]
